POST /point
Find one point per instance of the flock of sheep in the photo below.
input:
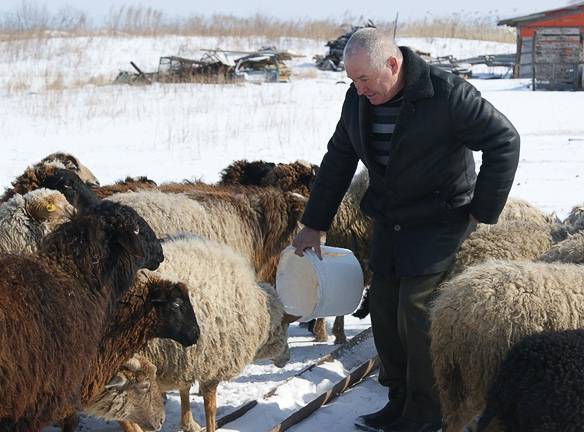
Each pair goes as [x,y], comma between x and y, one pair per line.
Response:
[114,294]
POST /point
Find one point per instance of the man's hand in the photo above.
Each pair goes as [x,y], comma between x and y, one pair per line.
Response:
[307,238]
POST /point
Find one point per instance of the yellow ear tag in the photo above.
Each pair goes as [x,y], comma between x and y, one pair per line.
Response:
[51,208]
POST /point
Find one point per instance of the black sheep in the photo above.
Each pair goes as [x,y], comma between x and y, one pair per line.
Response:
[539,387]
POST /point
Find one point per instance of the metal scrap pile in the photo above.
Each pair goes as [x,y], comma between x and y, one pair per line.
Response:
[333,61]
[215,66]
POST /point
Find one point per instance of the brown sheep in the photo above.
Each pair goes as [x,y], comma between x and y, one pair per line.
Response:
[288,177]
[155,307]
[128,184]
[34,176]
[55,306]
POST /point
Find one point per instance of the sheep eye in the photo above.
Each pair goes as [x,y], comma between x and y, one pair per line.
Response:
[51,208]
[137,231]
[176,304]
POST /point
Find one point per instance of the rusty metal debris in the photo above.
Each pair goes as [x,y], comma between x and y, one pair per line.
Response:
[215,66]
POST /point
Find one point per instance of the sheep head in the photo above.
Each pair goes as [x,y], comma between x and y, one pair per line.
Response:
[132,395]
[176,317]
[246,173]
[275,347]
[71,163]
[49,208]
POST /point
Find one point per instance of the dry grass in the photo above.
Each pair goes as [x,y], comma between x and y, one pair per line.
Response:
[33,21]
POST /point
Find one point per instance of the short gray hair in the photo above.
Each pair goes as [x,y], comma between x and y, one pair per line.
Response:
[377,45]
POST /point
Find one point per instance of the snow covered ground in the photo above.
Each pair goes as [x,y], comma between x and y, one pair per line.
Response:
[173,132]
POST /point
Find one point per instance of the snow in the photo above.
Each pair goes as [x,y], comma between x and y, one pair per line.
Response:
[52,101]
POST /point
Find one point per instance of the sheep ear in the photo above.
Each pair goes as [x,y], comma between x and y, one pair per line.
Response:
[118,382]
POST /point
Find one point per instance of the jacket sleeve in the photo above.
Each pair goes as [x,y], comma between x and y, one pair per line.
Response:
[334,176]
[480,127]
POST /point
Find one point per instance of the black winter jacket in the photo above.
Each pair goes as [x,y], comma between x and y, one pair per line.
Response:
[429,185]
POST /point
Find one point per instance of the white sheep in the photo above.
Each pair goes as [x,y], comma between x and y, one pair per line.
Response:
[575,220]
[240,322]
[482,312]
[570,250]
[26,219]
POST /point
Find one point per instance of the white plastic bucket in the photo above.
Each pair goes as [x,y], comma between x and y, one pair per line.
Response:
[311,288]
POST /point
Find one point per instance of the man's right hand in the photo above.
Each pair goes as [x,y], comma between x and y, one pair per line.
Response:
[307,238]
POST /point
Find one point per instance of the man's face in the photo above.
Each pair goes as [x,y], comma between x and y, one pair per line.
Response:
[378,85]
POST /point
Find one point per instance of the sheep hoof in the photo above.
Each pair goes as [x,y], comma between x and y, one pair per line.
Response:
[192,427]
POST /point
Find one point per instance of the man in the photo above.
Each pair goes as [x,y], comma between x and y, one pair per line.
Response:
[414,127]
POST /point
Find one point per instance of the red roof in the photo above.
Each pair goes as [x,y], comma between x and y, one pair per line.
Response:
[576,8]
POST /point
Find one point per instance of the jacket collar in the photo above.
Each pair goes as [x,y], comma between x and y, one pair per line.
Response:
[418,82]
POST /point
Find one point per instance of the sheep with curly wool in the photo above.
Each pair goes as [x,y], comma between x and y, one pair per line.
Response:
[240,322]
[55,308]
[570,250]
[26,219]
[538,387]
[575,220]
[479,314]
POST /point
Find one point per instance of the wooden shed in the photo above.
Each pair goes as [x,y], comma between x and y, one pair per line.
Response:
[550,47]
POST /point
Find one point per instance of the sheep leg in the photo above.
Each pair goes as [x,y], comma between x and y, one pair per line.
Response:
[210,401]
[127,426]
[70,423]
[339,330]
[186,417]
[319,330]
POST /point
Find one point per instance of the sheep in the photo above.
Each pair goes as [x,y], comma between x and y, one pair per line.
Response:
[153,307]
[128,184]
[240,321]
[71,163]
[481,313]
[570,250]
[34,176]
[132,395]
[539,386]
[350,229]
[244,173]
[258,224]
[289,177]
[65,181]
[55,306]
[511,240]
[575,220]
[26,219]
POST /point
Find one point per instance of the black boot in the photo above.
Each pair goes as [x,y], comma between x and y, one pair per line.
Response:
[384,417]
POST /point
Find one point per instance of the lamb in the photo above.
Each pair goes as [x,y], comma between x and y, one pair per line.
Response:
[33,176]
[240,321]
[26,219]
[55,305]
[132,395]
[570,250]
[539,386]
[482,312]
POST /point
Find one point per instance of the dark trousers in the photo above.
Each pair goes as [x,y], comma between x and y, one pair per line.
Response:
[399,308]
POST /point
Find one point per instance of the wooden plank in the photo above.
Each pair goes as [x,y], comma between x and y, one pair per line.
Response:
[558,30]
[355,377]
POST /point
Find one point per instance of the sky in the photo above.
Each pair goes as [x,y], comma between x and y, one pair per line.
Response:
[375,9]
